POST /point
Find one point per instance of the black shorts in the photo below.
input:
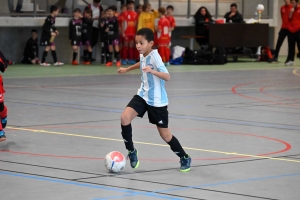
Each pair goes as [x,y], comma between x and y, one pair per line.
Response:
[76,42]
[157,115]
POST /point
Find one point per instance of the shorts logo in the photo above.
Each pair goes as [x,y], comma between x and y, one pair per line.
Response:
[160,122]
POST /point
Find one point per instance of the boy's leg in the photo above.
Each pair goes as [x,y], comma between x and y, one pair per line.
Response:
[127,116]
[75,52]
[45,53]
[125,52]
[167,54]
[161,51]
[185,159]
[3,113]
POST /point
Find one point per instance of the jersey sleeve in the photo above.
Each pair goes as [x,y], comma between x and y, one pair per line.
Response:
[155,14]
[159,64]
[47,25]
[140,21]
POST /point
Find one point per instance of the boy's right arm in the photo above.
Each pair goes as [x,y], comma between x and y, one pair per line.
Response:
[123,70]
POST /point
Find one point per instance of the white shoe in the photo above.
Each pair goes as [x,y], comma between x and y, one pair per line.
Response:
[289,63]
[45,64]
[58,64]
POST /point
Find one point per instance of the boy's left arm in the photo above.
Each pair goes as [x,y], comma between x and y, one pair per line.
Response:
[163,75]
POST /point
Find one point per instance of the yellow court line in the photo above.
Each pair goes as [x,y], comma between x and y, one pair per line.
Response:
[152,144]
[295,72]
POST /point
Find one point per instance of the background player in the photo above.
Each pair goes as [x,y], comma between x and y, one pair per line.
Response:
[120,21]
[147,17]
[3,109]
[129,31]
[75,33]
[86,31]
[163,36]
[48,35]
[112,29]
[154,75]
[103,37]
[172,21]
[31,51]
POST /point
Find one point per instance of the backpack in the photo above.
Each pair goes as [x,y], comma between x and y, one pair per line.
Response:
[219,56]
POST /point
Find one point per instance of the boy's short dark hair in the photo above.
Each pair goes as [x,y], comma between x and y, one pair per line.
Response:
[33,31]
[123,5]
[53,8]
[144,7]
[76,10]
[233,5]
[162,10]
[138,6]
[97,1]
[170,7]
[147,33]
[130,2]
[88,10]
[113,8]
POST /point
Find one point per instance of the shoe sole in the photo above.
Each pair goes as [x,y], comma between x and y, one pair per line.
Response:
[185,170]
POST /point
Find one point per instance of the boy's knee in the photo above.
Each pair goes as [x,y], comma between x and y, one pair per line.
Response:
[125,119]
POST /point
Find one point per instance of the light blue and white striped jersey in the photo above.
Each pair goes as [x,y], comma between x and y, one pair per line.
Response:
[152,89]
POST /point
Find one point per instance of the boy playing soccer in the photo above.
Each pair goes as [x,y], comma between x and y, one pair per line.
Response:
[75,33]
[3,109]
[163,36]
[48,35]
[129,30]
[151,97]
[87,29]
[112,29]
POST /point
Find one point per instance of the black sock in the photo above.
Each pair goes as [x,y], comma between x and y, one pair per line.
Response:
[74,56]
[90,56]
[109,57]
[117,56]
[127,137]
[85,53]
[176,147]
[54,56]
[45,53]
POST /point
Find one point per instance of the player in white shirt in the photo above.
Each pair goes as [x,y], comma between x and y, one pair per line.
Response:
[151,97]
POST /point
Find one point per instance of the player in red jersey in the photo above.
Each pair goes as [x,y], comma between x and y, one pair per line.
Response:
[129,31]
[294,31]
[283,33]
[163,36]
[3,109]
[120,20]
[172,21]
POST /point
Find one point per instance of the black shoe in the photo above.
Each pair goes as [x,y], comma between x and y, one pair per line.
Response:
[185,164]
[273,60]
[2,136]
[134,161]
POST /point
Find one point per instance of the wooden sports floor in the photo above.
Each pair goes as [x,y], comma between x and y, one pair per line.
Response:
[239,122]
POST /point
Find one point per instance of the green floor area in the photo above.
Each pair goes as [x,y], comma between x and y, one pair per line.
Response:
[23,71]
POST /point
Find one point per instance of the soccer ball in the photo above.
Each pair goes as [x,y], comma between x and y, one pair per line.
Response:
[114,161]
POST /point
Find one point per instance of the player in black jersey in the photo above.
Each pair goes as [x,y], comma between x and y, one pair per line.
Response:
[48,35]
[103,37]
[31,51]
[87,29]
[112,29]
[75,35]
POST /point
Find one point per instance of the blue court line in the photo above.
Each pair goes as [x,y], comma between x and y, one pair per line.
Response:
[131,192]
[208,119]
[210,185]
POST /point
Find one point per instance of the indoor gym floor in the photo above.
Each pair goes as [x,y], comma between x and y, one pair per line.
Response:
[239,122]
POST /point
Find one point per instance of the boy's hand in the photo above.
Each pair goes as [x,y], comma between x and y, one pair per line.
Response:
[56,32]
[53,34]
[122,70]
[148,69]
[107,29]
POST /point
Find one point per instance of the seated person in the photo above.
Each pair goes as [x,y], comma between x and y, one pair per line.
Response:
[31,51]
[202,19]
[233,16]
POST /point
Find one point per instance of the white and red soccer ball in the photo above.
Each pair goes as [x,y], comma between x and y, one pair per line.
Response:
[114,161]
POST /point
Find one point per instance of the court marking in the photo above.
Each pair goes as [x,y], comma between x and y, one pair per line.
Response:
[295,71]
[154,144]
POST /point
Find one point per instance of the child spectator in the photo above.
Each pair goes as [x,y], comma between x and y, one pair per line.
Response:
[75,37]
[3,109]
[163,36]
[151,97]
[120,20]
[31,51]
[129,31]
[48,35]
[103,37]
[139,9]
[147,17]
[112,29]
[87,29]
[172,21]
